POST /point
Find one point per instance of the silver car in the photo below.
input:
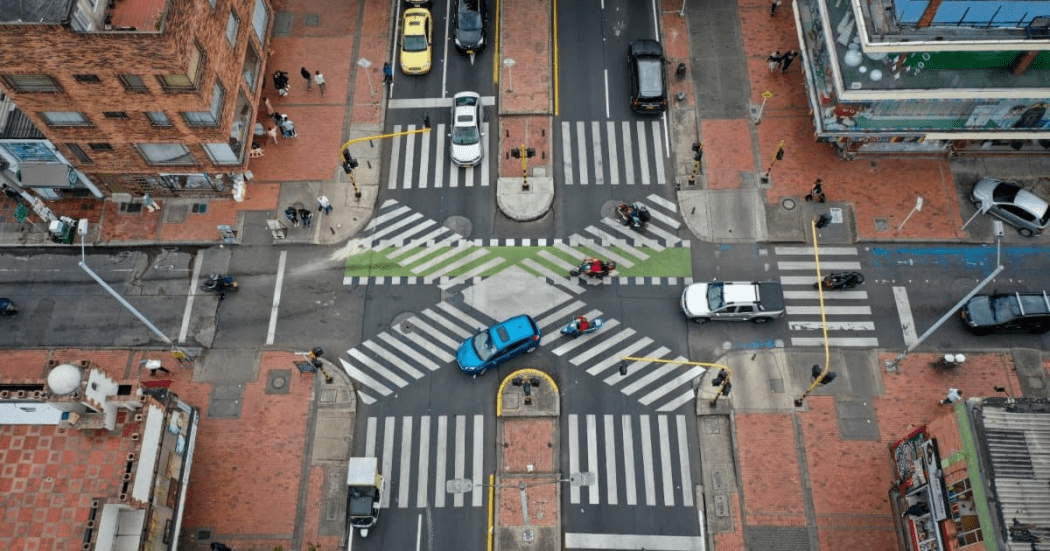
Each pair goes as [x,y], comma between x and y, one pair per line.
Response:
[1015,206]
[467,118]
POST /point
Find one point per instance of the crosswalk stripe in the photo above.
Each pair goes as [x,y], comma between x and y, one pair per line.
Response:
[629,484]
[643,153]
[583,340]
[412,245]
[832,325]
[378,368]
[561,315]
[558,279]
[569,250]
[798,280]
[399,239]
[646,443]
[845,342]
[785,265]
[574,456]
[621,243]
[442,321]
[439,464]
[684,398]
[666,205]
[404,476]
[453,176]
[657,148]
[462,261]
[370,437]
[424,462]
[808,251]
[468,176]
[456,313]
[450,240]
[633,235]
[654,373]
[601,251]
[596,147]
[410,157]
[815,295]
[439,157]
[400,347]
[388,458]
[581,146]
[429,346]
[460,279]
[665,460]
[678,381]
[684,462]
[477,493]
[556,260]
[455,250]
[461,456]
[436,335]
[628,160]
[615,358]
[395,159]
[614,170]
[668,237]
[424,160]
[566,153]
[635,366]
[382,218]
[829,310]
[610,459]
[633,541]
[592,460]
[485,163]
[364,379]
[602,346]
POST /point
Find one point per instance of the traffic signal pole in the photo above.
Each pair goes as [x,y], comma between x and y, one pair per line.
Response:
[721,380]
[350,163]
[820,376]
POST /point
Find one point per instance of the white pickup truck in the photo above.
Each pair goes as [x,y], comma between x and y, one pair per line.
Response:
[755,301]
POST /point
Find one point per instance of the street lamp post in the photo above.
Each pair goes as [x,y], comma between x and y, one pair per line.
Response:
[510,83]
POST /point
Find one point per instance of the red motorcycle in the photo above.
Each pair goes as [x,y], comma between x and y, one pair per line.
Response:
[593,267]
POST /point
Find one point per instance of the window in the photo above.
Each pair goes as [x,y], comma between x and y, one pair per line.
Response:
[207,118]
[165,153]
[221,153]
[87,79]
[115,114]
[260,20]
[188,81]
[158,118]
[133,83]
[252,67]
[81,22]
[78,152]
[232,26]
[100,147]
[64,118]
[32,83]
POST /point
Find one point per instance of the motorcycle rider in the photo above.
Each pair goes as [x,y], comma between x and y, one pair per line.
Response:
[581,324]
[595,267]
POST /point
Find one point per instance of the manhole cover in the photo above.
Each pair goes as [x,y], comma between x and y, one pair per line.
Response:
[460,225]
[401,322]
[277,381]
[789,203]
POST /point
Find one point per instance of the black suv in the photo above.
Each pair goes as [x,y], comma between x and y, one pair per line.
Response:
[985,314]
[470,25]
[645,61]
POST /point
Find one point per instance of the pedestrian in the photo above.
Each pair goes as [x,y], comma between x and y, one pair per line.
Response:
[319,79]
[269,106]
[148,202]
[773,8]
[154,366]
[324,205]
[953,396]
[306,75]
[775,59]
[272,133]
[280,82]
[388,73]
[277,118]
[917,509]
[292,215]
[817,192]
[788,58]
[307,217]
[289,128]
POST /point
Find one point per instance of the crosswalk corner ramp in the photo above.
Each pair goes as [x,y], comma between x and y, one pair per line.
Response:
[525,199]
[528,393]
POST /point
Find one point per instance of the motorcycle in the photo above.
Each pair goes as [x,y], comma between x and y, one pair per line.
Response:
[219,284]
[841,280]
[635,215]
[7,307]
[593,267]
[573,331]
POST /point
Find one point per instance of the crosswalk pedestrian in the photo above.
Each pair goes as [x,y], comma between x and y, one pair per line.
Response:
[591,152]
[847,312]
[418,161]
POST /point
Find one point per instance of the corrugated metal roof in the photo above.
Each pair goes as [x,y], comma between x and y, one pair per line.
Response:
[18,127]
[1017,441]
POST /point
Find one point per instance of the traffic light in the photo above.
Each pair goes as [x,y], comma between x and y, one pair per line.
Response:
[426,119]
[780,153]
[720,378]
[827,378]
[725,389]
[349,163]
[698,151]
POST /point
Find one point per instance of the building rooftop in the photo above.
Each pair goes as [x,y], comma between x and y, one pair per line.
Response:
[122,16]
[48,12]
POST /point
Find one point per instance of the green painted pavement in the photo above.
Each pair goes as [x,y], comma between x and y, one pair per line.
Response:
[670,262]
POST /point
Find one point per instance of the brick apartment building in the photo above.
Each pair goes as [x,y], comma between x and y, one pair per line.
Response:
[129,97]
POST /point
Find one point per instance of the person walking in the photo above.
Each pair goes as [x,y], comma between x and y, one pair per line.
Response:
[154,366]
[292,215]
[775,59]
[269,106]
[272,133]
[817,192]
[788,58]
[388,73]
[953,396]
[309,79]
[319,79]
[148,202]
[307,217]
[324,205]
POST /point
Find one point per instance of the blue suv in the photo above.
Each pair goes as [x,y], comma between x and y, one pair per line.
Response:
[491,347]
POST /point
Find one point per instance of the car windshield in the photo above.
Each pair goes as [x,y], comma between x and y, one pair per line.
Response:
[469,20]
[1004,193]
[415,43]
[715,298]
[483,346]
[465,135]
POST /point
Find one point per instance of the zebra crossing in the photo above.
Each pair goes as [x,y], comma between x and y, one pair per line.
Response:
[419,161]
[402,246]
[427,342]
[848,313]
[636,460]
[592,152]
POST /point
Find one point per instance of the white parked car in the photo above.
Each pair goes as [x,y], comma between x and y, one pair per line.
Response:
[1016,206]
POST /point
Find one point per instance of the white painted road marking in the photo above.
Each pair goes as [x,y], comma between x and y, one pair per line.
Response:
[900,296]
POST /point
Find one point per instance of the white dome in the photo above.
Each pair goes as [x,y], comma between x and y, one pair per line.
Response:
[854,58]
[64,378]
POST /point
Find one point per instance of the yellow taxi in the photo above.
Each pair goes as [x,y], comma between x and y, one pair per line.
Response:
[416,45]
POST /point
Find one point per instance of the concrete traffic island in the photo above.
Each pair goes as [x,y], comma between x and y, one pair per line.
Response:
[527,482]
[524,205]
